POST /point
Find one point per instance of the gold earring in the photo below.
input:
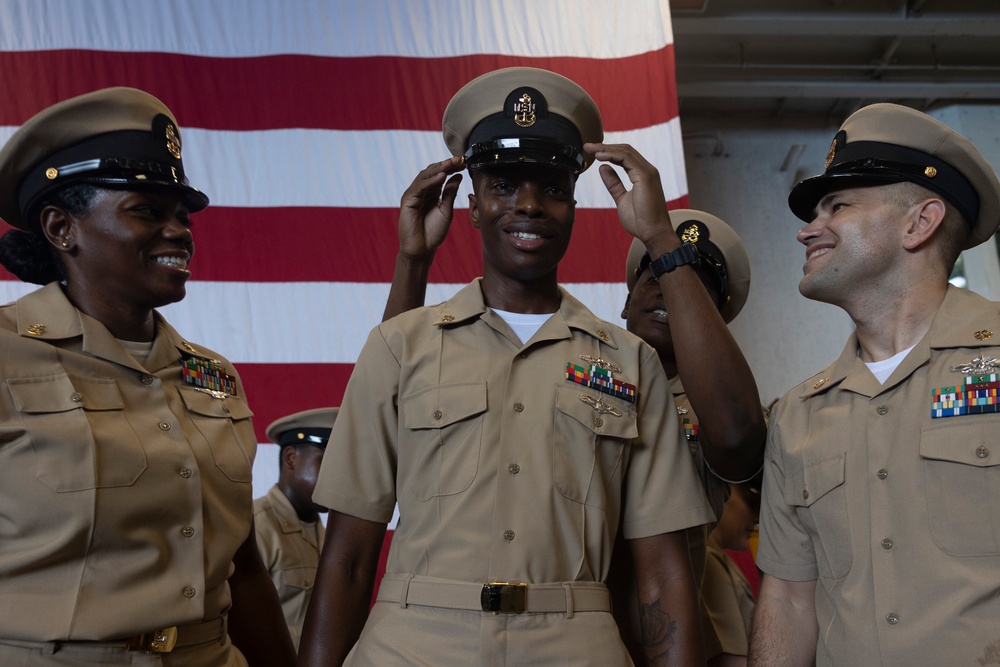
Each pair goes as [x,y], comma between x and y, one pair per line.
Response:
[65,244]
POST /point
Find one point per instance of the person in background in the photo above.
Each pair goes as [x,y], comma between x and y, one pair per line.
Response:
[726,592]
[879,539]
[471,415]
[127,532]
[684,315]
[289,532]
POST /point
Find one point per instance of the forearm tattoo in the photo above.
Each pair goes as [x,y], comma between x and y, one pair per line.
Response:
[658,631]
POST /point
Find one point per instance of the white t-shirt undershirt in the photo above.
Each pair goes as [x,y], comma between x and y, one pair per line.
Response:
[138,349]
[883,369]
[525,325]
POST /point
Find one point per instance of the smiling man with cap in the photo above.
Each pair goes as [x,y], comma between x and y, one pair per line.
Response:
[879,540]
[289,532]
[514,429]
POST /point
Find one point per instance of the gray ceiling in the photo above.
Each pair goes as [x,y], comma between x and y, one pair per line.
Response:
[828,57]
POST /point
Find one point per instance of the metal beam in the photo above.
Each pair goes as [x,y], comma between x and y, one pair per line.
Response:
[845,89]
[860,25]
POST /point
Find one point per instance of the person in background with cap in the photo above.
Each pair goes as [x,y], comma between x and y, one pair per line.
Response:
[125,466]
[289,532]
[514,429]
[880,539]
[683,315]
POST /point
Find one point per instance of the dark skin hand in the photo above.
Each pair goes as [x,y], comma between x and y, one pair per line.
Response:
[256,624]
[716,376]
[425,214]
[342,594]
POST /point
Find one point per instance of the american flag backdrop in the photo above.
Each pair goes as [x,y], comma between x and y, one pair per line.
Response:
[304,121]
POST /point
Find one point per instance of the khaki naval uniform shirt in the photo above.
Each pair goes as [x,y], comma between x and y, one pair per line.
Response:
[504,471]
[124,492]
[717,491]
[728,597]
[895,512]
[290,549]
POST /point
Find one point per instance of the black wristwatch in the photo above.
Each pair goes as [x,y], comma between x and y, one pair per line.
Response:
[686,254]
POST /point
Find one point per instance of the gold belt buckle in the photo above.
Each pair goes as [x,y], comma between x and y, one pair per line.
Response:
[502,597]
[157,641]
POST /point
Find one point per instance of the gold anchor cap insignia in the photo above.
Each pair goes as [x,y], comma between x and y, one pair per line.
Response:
[36,329]
[173,142]
[524,111]
[830,154]
[691,234]
[983,335]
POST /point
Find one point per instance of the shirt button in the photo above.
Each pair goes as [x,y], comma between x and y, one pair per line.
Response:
[882,410]
[187,531]
[598,422]
[518,407]
[887,544]
[185,472]
[146,379]
[508,535]
[523,355]
[437,414]
[76,397]
[805,494]
[225,408]
[164,426]
[189,592]
[513,468]
[882,474]
[892,619]
[982,452]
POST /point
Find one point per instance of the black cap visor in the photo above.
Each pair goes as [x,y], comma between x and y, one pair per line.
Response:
[869,163]
[128,159]
[524,150]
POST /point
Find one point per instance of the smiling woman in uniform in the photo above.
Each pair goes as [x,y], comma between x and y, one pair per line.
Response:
[126,532]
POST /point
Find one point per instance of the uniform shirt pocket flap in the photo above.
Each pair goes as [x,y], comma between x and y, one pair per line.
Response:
[61,394]
[442,405]
[817,480]
[206,405]
[604,415]
[966,446]
[298,577]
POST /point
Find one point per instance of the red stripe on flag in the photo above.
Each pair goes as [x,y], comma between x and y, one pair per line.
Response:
[277,390]
[284,91]
[359,245]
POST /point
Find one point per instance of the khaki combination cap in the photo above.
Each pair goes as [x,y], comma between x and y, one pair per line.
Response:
[120,138]
[310,427]
[888,143]
[720,249]
[522,115]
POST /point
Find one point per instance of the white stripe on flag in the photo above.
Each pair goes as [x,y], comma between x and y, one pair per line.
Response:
[342,28]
